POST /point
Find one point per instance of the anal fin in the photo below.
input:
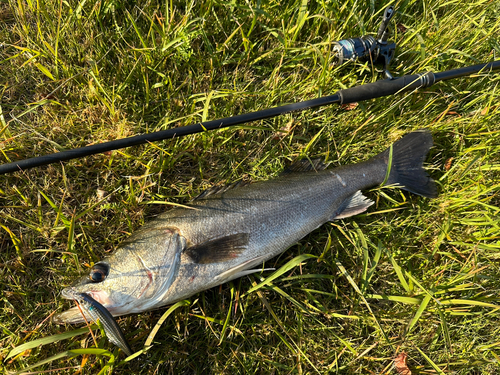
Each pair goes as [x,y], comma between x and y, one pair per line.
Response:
[355,204]
[218,250]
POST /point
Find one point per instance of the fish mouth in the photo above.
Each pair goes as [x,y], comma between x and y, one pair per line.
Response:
[74,314]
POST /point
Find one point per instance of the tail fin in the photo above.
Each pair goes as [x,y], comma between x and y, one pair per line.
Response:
[408,155]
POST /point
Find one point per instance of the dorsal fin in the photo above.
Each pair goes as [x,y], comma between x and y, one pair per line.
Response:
[305,165]
[219,189]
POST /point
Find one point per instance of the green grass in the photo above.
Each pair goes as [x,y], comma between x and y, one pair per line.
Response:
[412,275]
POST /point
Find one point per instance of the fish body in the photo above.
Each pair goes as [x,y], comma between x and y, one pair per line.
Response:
[228,232]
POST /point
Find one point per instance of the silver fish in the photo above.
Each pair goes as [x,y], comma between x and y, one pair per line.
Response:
[229,231]
[97,311]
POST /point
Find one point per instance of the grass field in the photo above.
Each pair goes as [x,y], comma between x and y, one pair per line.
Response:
[412,275]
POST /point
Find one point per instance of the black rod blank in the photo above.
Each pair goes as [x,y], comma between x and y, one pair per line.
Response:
[373,90]
[165,134]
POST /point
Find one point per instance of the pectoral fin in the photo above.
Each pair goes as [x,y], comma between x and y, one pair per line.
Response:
[218,250]
[355,204]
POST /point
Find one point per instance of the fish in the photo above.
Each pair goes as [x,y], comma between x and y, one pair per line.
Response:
[98,312]
[230,231]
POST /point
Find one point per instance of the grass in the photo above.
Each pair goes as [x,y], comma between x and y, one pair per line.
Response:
[412,275]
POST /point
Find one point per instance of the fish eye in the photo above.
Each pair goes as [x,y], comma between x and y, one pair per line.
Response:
[99,272]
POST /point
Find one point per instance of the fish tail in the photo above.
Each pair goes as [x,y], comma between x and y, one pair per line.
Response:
[406,168]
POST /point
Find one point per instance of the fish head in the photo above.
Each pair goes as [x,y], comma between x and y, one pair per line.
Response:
[134,279]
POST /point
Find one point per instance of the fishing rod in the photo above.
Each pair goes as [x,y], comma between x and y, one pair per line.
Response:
[368,91]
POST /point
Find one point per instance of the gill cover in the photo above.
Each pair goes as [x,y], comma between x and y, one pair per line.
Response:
[158,252]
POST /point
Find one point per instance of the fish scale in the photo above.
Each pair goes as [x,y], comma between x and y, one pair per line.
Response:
[294,205]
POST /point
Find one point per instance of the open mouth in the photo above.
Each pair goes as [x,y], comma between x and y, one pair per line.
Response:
[74,314]
[93,311]
[99,296]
